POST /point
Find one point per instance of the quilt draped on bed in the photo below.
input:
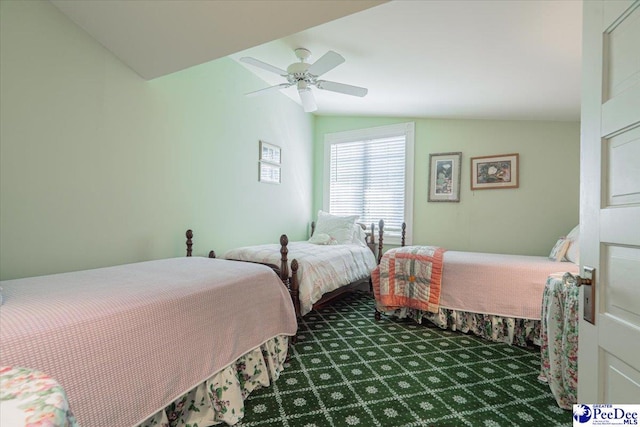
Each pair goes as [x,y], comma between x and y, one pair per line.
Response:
[410,277]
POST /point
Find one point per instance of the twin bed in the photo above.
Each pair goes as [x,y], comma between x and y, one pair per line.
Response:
[139,344]
[339,256]
[495,296]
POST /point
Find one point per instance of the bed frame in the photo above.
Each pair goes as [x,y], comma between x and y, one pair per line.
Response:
[290,279]
[523,332]
[330,296]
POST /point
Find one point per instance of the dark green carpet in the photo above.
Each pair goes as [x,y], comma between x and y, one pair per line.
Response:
[349,370]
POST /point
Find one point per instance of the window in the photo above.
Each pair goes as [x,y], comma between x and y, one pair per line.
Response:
[369,172]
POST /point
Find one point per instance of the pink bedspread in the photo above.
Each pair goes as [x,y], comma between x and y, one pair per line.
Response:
[502,285]
[125,341]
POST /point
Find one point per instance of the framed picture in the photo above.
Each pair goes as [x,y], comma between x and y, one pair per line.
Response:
[270,153]
[269,163]
[444,177]
[499,171]
[269,173]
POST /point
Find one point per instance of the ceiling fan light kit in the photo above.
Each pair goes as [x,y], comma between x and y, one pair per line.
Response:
[304,75]
[302,53]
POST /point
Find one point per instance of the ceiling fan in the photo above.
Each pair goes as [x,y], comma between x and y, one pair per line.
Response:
[304,75]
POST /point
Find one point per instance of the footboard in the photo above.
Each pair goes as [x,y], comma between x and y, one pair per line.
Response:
[289,280]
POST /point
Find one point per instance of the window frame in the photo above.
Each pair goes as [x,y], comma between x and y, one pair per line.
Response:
[401,129]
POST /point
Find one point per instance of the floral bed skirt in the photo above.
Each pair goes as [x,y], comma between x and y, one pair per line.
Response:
[520,332]
[220,399]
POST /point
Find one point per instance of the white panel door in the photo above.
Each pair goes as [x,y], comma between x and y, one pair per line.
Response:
[609,350]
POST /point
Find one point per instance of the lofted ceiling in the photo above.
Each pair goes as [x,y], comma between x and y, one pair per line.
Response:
[471,59]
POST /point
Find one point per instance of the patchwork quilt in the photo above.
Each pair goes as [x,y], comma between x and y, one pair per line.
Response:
[409,276]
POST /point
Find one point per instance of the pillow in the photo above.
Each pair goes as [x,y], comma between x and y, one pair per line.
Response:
[573,252]
[359,236]
[338,227]
[559,249]
[322,239]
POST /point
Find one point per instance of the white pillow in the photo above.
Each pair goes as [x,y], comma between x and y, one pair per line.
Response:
[322,239]
[574,233]
[573,252]
[338,227]
[359,236]
[559,249]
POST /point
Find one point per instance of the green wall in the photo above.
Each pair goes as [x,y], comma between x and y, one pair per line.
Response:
[527,220]
[100,167]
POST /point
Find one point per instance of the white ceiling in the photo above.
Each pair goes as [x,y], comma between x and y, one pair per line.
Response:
[473,59]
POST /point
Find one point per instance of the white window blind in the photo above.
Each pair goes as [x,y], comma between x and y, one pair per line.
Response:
[368,177]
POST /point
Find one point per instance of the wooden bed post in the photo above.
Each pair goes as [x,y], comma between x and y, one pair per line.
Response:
[372,238]
[291,282]
[212,254]
[404,232]
[284,264]
[380,239]
[189,242]
[376,314]
[294,287]
[313,227]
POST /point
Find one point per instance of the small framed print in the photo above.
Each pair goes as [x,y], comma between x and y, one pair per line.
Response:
[269,173]
[444,177]
[269,163]
[499,171]
[270,153]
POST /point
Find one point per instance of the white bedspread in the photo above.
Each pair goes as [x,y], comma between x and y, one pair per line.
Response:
[321,268]
[502,285]
[125,341]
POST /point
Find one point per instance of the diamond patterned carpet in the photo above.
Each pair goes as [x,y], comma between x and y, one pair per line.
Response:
[348,369]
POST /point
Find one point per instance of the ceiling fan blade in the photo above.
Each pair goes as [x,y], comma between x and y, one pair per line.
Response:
[308,100]
[327,62]
[257,63]
[342,88]
[268,89]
